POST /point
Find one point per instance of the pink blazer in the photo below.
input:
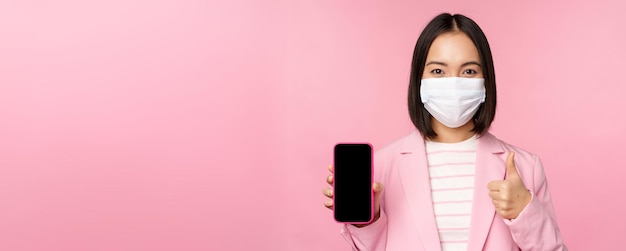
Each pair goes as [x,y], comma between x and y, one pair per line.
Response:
[407,220]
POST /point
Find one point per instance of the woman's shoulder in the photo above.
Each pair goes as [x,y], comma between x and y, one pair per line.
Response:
[385,157]
[520,153]
[403,143]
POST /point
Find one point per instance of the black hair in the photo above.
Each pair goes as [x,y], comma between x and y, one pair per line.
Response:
[443,23]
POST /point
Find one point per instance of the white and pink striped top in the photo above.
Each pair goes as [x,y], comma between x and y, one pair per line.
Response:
[451,167]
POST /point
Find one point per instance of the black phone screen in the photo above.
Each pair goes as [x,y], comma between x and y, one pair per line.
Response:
[353,183]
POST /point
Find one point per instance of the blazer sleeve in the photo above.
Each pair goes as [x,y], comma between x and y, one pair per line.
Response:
[369,238]
[536,227]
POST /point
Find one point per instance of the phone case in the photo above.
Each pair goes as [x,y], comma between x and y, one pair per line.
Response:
[371,186]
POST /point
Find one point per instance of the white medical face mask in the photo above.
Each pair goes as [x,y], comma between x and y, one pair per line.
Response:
[452,101]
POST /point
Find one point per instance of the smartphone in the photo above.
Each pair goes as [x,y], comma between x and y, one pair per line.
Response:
[353,176]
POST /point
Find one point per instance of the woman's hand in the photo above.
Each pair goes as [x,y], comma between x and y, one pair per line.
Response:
[509,196]
[328,192]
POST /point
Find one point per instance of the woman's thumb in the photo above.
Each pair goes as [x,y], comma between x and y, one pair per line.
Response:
[378,187]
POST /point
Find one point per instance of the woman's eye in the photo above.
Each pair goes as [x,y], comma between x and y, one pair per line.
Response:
[469,72]
[436,71]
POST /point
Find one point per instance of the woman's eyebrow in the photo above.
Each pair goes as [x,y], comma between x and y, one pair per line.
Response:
[471,62]
[463,65]
[437,62]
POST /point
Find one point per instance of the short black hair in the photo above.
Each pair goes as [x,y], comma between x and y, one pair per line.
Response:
[443,23]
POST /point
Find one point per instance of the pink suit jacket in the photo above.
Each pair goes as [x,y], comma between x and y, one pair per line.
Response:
[407,219]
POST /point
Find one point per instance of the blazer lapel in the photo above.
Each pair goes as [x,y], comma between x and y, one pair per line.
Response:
[413,170]
[490,165]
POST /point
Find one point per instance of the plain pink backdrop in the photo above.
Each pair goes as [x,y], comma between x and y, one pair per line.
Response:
[202,125]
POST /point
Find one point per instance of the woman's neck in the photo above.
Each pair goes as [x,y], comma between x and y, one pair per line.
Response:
[452,135]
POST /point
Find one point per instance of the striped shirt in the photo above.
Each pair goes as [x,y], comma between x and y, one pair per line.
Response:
[451,167]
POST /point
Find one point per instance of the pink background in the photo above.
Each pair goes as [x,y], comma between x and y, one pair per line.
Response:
[195,125]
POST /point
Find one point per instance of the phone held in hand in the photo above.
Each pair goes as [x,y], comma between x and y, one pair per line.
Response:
[353,177]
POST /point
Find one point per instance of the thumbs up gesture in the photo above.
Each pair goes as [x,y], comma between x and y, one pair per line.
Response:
[509,196]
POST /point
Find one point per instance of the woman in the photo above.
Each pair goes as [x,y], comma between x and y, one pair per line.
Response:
[451,185]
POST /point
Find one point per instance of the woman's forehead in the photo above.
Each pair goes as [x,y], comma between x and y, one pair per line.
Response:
[453,47]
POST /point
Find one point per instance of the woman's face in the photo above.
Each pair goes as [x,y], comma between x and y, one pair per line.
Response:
[453,54]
